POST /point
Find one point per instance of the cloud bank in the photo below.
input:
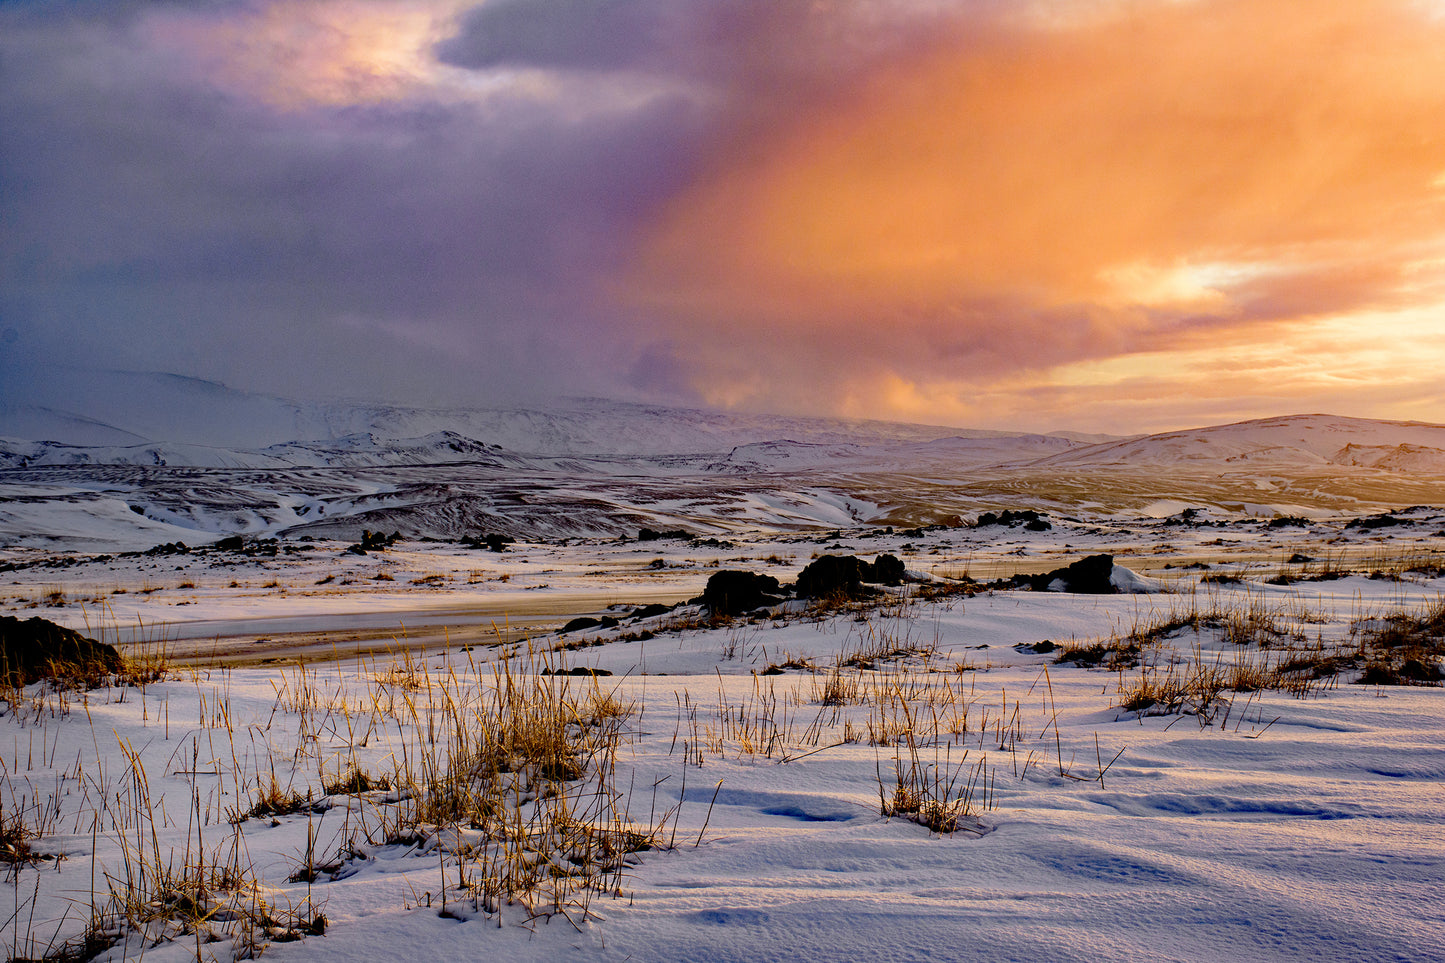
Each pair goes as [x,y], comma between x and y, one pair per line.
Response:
[1105,215]
[1031,194]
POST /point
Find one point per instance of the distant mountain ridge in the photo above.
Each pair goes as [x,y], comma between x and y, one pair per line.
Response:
[600,468]
[150,419]
[1314,440]
[97,415]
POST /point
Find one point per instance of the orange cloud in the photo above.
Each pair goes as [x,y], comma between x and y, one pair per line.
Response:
[1026,194]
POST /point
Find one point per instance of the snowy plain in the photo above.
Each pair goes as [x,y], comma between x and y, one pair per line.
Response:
[754,764]
[1279,827]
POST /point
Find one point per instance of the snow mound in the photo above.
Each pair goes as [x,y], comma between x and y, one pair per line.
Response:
[1402,458]
[1129,582]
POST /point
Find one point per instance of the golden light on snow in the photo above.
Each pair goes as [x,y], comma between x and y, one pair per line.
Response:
[1103,188]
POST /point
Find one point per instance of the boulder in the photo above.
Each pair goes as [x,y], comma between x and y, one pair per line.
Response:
[1385,520]
[831,575]
[1030,519]
[587,622]
[1087,576]
[845,575]
[731,592]
[38,649]
[653,535]
[885,570]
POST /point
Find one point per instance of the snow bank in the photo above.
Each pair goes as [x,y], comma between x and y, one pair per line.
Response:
[1131,583]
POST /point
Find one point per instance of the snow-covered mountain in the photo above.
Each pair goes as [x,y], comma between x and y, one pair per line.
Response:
[587,467]
[1294,440]
[120,411]
[956,451]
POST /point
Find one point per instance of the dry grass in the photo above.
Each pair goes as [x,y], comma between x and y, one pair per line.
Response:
[1397,565]
[889,639]
[515,786]
[270,801]
[502,778]
[838,689]
[353,782]
[942,795]
[24,819]
[506,777]
[67,682]
[1403,648]
[212,905]
[1112,654]
[163,894]
[1266,647]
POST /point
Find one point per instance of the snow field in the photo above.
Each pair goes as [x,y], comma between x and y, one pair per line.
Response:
[1269,827]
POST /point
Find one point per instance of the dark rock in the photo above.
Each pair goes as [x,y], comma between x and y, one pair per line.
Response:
[732,592]
[830,576]
[370,542]
[492,541]
[844,575]
[1042,648]
[1378,521]
[1187,518]
[648,611]
[651,535]
[587,622]
[1087,576]
[1027,517]
[885,570]
[169,548]
[39,649]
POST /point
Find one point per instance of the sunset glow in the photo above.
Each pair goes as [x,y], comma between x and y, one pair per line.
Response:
[1039,206]
[1107,216]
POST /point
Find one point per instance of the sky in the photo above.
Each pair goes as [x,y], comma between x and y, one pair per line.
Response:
[1098,215]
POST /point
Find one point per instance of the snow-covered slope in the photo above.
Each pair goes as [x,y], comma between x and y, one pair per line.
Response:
[83,406]
[117,409]
[957,452]
[48,454]
[1294,440]
[589,467]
